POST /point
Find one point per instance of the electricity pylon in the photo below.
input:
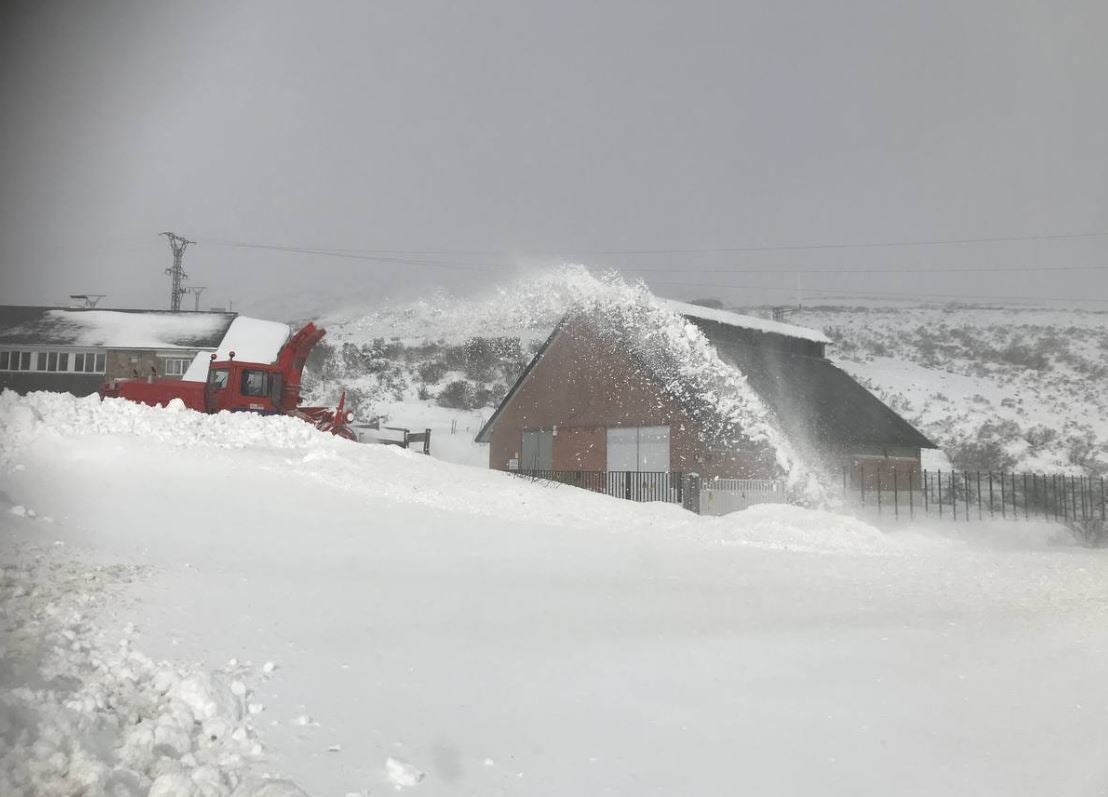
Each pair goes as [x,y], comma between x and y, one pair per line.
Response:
[177,245]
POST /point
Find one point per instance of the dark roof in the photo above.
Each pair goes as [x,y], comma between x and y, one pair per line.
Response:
[812,398]
[112,329]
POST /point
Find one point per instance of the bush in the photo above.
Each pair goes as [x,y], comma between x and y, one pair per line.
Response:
[430,373]
[456,396]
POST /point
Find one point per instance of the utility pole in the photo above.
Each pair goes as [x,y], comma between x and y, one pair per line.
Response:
[196,290]
[177,245]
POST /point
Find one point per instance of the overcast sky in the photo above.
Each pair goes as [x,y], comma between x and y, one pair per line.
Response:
[478,139]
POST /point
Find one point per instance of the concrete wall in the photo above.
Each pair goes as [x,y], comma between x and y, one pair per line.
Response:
[122,363]
[581,386]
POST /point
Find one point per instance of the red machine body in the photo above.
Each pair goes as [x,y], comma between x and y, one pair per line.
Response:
[238,386]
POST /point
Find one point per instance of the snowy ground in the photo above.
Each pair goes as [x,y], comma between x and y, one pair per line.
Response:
[361,619]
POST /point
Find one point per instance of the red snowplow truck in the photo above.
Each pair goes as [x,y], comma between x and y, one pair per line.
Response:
[238,386]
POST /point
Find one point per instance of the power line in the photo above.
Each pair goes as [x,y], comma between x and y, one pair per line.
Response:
[371,256]
[352,255]
[865,245]
[877,295]
[386,253]
[861,270]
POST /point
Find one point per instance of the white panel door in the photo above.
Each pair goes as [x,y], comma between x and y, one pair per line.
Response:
[653,448]
[623,448]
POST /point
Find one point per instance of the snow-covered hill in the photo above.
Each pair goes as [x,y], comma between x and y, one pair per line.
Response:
[995,387]
[195,605]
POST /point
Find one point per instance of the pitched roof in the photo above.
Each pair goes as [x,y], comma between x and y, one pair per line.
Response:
[814,399]
[112,329]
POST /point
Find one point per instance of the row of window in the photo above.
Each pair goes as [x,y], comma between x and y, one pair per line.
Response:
[53,361]
[75,362]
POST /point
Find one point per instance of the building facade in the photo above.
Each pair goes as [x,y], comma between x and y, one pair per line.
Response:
[77,350]
[586,403]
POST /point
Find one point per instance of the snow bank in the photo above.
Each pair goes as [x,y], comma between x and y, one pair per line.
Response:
[24,418]
[81,716]
[251,339]
[795,528]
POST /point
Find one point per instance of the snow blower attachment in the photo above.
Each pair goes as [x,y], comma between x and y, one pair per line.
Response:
[238,386]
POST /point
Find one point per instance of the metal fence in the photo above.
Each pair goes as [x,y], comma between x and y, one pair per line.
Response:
[907,494]
[976,495]
[631,485]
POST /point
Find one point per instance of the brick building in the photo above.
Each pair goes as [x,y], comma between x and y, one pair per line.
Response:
[77,350]
[587,401]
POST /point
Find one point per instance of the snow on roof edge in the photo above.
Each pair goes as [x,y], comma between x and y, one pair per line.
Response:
[745,321]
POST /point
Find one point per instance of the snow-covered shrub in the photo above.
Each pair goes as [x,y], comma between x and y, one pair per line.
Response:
[457,395]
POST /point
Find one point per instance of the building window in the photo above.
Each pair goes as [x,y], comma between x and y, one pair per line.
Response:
[175,366]
[638,448]
[52,361]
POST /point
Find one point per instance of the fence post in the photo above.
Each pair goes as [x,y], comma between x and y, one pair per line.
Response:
[926,498]
[1102,498]
[939,474]
[862,481]
[1003,499]
[896,495]
[690,492]
[911,498]
[953,496]
[980,514]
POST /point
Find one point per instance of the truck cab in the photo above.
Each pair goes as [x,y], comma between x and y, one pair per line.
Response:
[243,387]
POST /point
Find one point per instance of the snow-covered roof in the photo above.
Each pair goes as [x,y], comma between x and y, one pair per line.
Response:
[112,329]
[745,321]
[251,339]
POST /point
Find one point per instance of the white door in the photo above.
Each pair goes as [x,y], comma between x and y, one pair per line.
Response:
[638,448]
[654,448]
[623,448]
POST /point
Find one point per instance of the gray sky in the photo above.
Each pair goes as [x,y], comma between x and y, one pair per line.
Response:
[513,134]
